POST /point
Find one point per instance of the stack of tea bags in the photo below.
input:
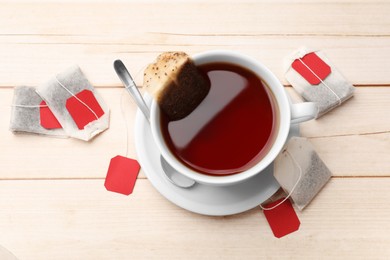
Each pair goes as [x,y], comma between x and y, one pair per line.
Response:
[316,79]
[65,106]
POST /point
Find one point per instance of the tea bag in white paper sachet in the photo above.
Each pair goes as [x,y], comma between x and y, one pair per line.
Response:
[300,171]
[79,108]
[30,114]
[316,79]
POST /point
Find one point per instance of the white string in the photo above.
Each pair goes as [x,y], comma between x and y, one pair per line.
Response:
[293,188]
[124,114]
[90,109]
[320,79]
[126,124]
[29,106]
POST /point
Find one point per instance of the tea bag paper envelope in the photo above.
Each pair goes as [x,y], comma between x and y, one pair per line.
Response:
[79,108]
[26,112]
[316,79]
[300,171]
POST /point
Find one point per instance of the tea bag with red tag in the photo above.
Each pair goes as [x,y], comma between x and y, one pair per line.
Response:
[300,171]
[281,217]
[76,104]
[30,114]
[316,79]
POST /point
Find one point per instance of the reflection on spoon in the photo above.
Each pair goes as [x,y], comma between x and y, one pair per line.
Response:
[175,177]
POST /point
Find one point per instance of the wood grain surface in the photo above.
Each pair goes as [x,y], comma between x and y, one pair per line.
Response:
[52,198]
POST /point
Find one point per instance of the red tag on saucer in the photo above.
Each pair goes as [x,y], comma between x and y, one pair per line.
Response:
[312,68]
[47,118]
[122,175]
[81,113]
[283,220]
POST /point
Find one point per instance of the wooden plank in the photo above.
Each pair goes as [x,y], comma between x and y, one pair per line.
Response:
[35,45]
[365,113]
[33,63]
[195,1]
[80,220]
[355,155]
[352,140]
[105,19]
[44,157]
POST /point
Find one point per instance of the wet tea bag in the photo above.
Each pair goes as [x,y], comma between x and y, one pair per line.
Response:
[79,108]
[30,114]
[300,171]
[316,79]
[176,84]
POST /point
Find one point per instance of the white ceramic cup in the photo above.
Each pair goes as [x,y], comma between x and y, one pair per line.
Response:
[287,113]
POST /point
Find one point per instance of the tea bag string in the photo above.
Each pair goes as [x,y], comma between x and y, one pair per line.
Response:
[40,106]
[29,106]
[124,114]
[293,188]
[82,102]
[304,64]
[126,124]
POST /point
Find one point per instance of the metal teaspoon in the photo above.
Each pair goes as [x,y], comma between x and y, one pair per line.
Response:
[172,175]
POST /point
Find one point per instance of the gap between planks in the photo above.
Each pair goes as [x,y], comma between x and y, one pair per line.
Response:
[146,178]
[342,135]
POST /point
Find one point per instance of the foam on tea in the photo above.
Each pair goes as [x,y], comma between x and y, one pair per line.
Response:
[231,130]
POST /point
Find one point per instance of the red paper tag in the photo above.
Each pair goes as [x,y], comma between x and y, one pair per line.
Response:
[47,118]
[283,220]
[81,114]
[122,175]
[317,66]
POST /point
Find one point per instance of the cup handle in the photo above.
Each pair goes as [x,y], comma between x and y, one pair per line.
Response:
[302,112]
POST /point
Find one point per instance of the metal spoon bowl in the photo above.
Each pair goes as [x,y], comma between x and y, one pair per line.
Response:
[174,176]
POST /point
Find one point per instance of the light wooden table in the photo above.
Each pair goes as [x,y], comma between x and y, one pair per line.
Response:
[53,204]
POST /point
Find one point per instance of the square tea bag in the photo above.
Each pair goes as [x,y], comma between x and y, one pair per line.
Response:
[79,108]
[27,111]
[316,79]
[300,171]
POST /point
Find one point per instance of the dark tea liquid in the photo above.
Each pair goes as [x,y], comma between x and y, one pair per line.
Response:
[231,130]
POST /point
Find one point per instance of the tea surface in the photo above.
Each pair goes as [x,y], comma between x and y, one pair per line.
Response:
[231,130]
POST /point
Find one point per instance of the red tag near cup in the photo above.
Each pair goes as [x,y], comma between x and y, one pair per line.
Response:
[81,113]
[47,118]
[283,220]
[318,68]
[122,175]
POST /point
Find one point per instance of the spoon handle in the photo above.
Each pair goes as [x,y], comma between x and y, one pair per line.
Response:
[130,86]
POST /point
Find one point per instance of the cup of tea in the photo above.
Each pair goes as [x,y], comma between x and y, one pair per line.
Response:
[237,130]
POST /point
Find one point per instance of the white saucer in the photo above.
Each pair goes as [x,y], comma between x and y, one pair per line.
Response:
[202,199]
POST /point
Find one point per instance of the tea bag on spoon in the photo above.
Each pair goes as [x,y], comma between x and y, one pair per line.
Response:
[300,171]
[79,108]
[30,114]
